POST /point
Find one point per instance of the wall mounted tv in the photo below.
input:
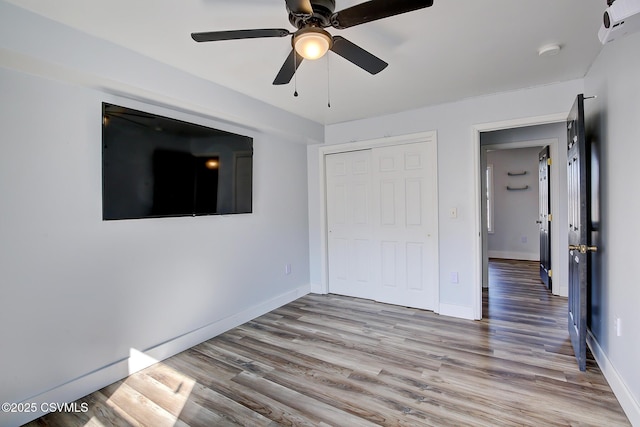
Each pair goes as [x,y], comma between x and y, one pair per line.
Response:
[154,166]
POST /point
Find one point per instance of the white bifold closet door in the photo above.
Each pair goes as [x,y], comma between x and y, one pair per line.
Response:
[382,224]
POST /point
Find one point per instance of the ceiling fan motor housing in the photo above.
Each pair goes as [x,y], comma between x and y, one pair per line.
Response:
[322,11]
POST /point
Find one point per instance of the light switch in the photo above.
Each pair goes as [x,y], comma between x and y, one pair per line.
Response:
[453,213]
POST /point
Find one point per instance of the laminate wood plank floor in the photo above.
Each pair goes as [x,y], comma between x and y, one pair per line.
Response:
[332,360]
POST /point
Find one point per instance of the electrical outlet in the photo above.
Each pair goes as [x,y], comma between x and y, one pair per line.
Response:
[454,277]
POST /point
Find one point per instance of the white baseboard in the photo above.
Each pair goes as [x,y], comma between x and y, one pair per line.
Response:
[629,404]
[317,288]
[524,256]
[79,387]
[459,311]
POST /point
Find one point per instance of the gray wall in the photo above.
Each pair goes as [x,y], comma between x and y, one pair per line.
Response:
[613,126]
[515,232]
[526,133]
[81,295]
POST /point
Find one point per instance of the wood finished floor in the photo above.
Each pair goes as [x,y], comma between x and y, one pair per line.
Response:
[332,360]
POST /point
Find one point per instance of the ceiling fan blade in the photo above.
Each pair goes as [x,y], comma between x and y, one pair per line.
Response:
[374,10]
[300,7]
[288,68]
[213,36]
[357,55]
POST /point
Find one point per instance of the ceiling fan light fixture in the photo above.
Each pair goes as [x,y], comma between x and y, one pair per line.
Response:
[312,42]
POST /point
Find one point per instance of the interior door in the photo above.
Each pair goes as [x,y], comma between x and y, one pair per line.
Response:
[544,215]
[405,203]
[382,224]
[349,224]
[579,232]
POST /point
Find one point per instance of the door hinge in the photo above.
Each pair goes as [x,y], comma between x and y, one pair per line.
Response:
[549,162]
[549,217]
[549,273]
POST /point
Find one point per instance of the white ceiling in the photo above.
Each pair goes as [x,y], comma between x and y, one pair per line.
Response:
[453,50]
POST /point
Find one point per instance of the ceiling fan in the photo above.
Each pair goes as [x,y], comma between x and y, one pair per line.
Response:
[312,41]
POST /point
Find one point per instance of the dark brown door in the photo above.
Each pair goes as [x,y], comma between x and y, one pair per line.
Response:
[544,215]
[579,228]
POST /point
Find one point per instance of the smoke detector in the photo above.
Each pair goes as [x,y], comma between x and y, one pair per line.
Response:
[549,50]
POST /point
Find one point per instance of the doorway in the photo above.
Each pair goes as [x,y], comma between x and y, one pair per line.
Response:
[512,200]
[518,134]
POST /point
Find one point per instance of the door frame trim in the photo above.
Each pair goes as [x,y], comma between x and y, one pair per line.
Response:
[325,150]
[476,130]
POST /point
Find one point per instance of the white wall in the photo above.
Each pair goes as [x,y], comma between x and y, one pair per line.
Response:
[613,124]
[79,294]
[458,173]
[515,233]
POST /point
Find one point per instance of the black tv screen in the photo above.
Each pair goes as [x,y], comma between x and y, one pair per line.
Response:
[155,166]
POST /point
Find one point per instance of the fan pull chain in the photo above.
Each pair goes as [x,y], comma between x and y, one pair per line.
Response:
[295,74]
[328,84]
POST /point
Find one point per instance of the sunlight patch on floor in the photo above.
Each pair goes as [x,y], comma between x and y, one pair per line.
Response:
[153,393]
[138,361]
[94,422]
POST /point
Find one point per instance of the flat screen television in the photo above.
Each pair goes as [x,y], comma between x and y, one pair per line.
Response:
[155,166]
